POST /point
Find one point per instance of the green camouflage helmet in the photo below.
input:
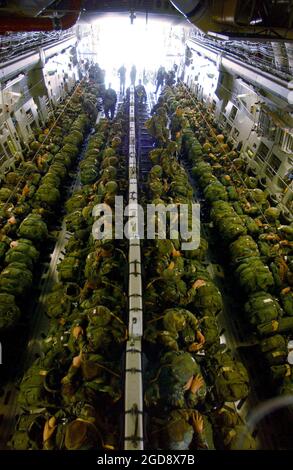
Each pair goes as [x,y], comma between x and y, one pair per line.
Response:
[76,202]
[69,268]
[177,369]
[215,191]
[81,435]
[194,270]
[181,365]
[210,329]
[175,433]
[205,297]
[15,279]
[9,312]
[33,228]
[262,307]
[244,247]
[22,251]
[31,395]
[58,304]
[175,321]
[253,275]
[48,194]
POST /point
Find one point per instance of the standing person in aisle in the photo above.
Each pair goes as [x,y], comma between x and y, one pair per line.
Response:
[96,74]
[160,77]
[140,93]
[122,77]
[89,108]
[170,78]
[133,75]
[109,102]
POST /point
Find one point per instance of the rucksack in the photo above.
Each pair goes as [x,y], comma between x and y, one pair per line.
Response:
[262,307]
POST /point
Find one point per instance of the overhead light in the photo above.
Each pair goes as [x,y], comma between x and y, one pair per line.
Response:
[256,21]
[10,83]
[243,95]
[14,93]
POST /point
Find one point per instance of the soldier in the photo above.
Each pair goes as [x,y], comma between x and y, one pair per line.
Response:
[122,76]
[140,93]
[89,108]
[182,430]
[178,382]
[103,264]
[180,328]
[160,78]
[205,297]
[104,330]
[157,126]
[133,75]
[65,431]
[176,122]
[109,102]
[170,78]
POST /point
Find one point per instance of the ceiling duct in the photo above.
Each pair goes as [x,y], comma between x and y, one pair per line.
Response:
[240,19]
[13,23]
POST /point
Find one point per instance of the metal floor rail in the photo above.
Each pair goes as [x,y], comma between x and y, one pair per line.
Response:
[133,428]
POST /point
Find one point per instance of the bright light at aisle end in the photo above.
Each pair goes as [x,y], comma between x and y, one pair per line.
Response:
[143,45]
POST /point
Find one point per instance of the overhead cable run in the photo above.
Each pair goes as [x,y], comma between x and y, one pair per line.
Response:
[14,44]
[272,57]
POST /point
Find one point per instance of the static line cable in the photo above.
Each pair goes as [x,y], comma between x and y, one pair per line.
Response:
[41,146]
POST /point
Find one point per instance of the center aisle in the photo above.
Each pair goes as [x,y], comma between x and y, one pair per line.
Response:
[133,432]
